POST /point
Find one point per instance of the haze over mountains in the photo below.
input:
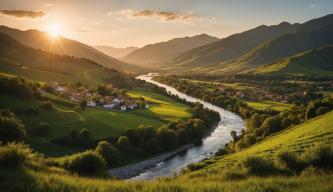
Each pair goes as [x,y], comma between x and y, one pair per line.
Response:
[114,51]
[41,40]
[163,52]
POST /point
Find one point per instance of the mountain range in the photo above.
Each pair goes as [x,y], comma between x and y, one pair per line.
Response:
[63,46]
[163,52]
[114,51]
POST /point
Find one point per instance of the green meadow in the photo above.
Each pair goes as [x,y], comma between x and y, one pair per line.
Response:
[101,123]
[273,105]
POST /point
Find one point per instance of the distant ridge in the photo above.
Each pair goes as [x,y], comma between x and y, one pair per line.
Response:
[163,52]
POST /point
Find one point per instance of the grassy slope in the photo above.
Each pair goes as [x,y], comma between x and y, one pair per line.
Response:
[316,62]
[277,106]
[297,139]
[207,179]
[101,123]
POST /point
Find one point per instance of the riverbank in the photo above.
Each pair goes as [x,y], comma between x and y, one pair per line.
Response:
[136,169]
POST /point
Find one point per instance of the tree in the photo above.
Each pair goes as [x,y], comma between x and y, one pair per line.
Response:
[254,122]
[108,152]
[272,125]
[123,143]
[167,137]
[87,163]
[102,90]
[83,104]
[12,129]
[234,135]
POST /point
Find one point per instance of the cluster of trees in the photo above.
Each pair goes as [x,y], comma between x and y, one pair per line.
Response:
[18,86]
[11,128]
[81,139]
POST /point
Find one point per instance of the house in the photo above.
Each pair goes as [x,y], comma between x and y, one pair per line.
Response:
[109,106]
[123,108]
[91,104]
[60,89]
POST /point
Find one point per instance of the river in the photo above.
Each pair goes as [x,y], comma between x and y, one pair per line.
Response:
[217,138]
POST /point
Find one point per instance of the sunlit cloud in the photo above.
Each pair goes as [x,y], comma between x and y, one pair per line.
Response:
[160,15]
[23,13]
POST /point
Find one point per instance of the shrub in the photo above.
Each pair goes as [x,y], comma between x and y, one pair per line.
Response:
[123,143]
[11,129]
[13,154]
[87,163]
[108,152]
[258,166]
[288,160]
[249,139]
[319,155]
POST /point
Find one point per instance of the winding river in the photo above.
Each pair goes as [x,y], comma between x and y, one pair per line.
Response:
[217,138]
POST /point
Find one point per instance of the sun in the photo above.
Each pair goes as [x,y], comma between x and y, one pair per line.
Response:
[54,29]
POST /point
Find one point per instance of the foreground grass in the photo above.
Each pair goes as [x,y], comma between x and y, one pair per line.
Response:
[29,180]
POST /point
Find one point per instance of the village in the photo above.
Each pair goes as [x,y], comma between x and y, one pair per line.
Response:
[93,98]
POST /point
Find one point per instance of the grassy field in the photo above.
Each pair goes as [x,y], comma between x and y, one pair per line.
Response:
[276,106]
[40,178]
[99,122]
[161,106]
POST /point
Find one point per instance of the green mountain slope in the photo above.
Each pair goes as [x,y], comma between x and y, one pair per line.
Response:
[257,46]
[63,46]
[20,60]
[297,139]
[317,62]
[165,51]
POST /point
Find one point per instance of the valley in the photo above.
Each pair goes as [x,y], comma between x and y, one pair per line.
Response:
[155,96]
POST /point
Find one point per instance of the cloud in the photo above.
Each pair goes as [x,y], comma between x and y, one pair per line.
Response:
[23,13]
[161,15]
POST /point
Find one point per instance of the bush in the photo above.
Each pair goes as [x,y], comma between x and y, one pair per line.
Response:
[319,155]
[87,163]
[13,154]
[123,143]
[108,152]
[258,166]
[12,129]
[232,175]
[288,160]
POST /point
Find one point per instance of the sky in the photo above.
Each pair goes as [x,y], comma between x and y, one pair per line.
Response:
[122,23]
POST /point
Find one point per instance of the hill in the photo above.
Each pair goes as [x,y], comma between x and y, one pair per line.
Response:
[63,46]
[115,52]
[316,62]
[160,53]
[227,51]
[20,60]
[39,177]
